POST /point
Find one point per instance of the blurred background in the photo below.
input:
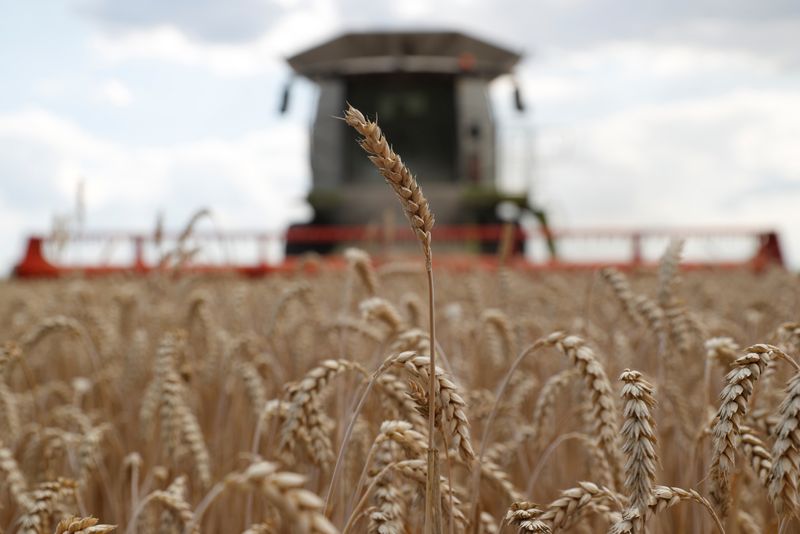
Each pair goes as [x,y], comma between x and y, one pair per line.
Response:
[636,114]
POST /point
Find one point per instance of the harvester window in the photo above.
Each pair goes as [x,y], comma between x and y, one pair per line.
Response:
[418,115]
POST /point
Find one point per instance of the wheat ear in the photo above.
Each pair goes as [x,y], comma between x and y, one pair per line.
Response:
[387,518]
[301,508]
[305,413]
[756,453]
[623,292]
[174,503]
[260,528]
[667,272]
[786,452]
[397,401]
[603,408]
[396,174]
[652,314]
[85,525]
[571,504]
[663,497]
[451,408]
[603,413]
[722,351]
[400,433]
[253,386]
[42,504]
[546,402]
[14,479]
[361,263]
[503,327]
[499,479]
[415,470]
[8,352]
[748,524]
[638,431]
[526,517]
[734,400]
[383,311]
[487,524]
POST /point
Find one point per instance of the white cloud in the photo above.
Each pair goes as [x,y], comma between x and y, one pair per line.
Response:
[115,93]
[665,60]
[295,31]
[211,20]
[167,43]
[250,181]
[718,160]
[48,88]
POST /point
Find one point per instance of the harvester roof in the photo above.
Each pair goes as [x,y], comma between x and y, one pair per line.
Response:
[419,51]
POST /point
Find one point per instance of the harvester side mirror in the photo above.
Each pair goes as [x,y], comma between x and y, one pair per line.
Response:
[287,90]
[518,102]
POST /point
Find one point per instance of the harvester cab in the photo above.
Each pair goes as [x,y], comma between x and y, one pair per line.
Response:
[429,92]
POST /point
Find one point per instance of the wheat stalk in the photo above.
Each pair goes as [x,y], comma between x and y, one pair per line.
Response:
[417,211]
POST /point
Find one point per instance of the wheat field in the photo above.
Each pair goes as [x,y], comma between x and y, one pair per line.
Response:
[360,399]
[220,405]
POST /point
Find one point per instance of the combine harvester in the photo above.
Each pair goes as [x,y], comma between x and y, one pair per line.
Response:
[429,91]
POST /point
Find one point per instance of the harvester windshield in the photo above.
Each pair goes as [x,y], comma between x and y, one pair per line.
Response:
[419,118]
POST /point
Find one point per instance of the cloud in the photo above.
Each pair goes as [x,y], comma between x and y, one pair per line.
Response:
[166,42]
[251,181]
[559,23]
[689,162]
[203,20]
[115,93]
[666,38]
[664,61]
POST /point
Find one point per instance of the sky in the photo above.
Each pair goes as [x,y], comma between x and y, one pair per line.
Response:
[641,114]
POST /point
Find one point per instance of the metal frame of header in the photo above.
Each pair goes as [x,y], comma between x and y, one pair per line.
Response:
[460,249]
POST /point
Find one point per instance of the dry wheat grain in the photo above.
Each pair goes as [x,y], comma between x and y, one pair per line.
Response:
[786,452]
[733,407]
[638,431]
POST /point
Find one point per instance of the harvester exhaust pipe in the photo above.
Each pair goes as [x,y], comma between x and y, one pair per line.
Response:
[286,97]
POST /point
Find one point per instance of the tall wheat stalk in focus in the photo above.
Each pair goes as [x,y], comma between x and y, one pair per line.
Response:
[417,210]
